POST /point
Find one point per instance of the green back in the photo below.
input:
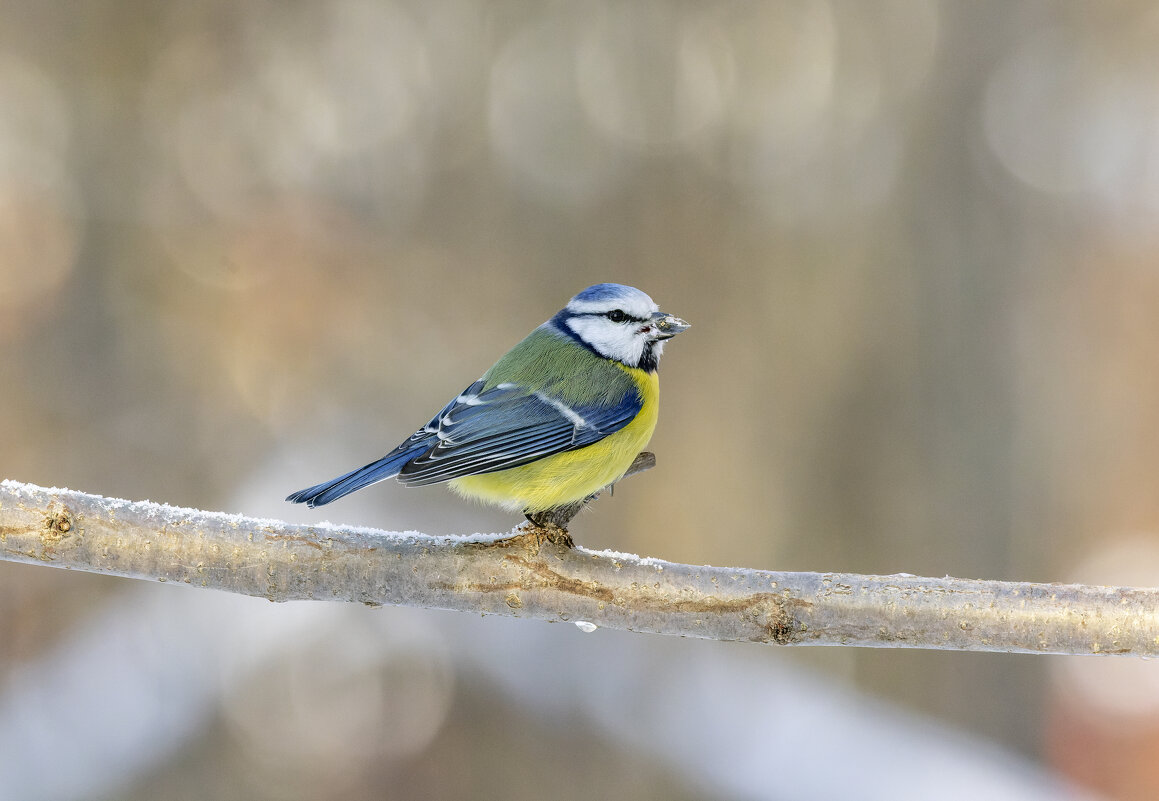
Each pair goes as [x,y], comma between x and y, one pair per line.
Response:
[549,362]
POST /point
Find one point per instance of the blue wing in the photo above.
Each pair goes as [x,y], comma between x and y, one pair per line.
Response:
[481,431]
[510,425]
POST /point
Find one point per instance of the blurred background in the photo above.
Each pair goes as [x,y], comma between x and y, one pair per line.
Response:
[245,247]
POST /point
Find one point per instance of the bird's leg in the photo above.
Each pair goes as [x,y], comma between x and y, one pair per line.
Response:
[558,516]
[550,525]
[553,523]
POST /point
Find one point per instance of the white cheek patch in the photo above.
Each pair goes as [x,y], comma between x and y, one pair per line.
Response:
[611,340]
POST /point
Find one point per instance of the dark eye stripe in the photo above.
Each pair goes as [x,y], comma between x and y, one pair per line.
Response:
[608,314]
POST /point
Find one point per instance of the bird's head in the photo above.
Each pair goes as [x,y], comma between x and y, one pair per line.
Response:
[619,322]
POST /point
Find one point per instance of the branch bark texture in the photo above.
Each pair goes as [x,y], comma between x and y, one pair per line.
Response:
[526,576]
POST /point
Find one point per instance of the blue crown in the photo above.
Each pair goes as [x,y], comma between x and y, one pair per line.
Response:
[606,292]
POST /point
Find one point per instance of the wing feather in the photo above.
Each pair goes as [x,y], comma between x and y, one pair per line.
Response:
[509,425]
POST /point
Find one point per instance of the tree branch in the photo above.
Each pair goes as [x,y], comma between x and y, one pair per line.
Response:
[526,576]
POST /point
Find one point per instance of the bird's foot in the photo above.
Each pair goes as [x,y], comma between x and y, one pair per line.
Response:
[553,523]
[550,525]
[548,531]
[532,535]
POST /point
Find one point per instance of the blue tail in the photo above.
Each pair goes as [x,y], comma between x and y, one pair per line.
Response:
[386,467]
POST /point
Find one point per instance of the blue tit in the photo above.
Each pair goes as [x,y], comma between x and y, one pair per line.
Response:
[559,417]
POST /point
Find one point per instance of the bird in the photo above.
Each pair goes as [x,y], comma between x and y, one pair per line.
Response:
[560,416]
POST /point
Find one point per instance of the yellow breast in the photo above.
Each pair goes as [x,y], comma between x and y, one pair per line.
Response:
[573,475]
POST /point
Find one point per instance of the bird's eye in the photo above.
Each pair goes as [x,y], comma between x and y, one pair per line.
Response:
[617,316]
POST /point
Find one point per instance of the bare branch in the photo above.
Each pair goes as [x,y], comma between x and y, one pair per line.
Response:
[526,576]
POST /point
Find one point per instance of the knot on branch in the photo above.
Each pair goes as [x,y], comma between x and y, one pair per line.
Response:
[58,523]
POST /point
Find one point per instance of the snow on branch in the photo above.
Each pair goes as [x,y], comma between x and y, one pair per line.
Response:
[525,575]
